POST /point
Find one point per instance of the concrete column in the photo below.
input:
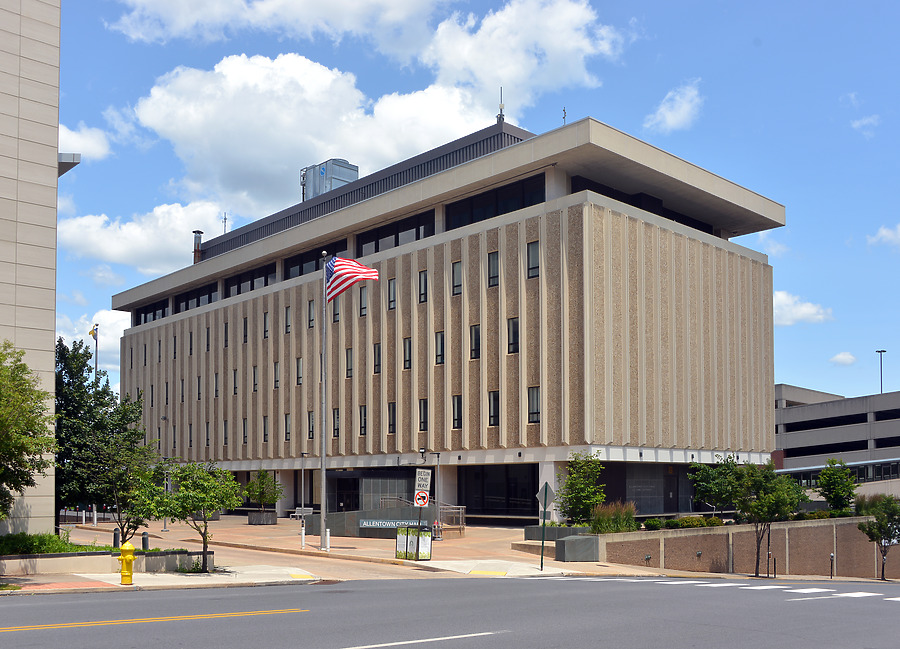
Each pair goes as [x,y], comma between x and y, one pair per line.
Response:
[286,503]
[547,473]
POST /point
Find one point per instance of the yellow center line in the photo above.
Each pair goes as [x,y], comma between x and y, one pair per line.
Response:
[142,620]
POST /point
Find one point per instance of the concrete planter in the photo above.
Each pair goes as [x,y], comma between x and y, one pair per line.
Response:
[262,518]
[553,533]
[99,562]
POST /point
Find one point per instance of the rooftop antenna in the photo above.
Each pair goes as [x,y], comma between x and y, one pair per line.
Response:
[500,117]
[224,222]
[564,115]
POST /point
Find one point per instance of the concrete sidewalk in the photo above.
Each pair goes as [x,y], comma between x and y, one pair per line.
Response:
[482,552]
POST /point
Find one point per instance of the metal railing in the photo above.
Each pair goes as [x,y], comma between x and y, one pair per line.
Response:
[452,517]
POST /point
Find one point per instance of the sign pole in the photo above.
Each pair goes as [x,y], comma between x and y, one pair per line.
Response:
[544,525]
[323,488]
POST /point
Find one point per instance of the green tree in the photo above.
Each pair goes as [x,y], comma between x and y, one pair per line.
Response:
[102,452]
[884,531]
[199,491]
[26,427]
[763,497]
[837,486]
[715,484]
[581,490]
[264,489]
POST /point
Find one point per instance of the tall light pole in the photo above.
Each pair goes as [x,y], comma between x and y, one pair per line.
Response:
[880,353]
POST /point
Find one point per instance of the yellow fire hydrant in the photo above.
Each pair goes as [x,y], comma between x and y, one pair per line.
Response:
[127,559]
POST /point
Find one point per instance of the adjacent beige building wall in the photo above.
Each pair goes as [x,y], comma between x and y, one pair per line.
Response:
[29,101]
[641,333]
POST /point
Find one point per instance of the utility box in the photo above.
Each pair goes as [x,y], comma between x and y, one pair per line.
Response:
[322,178]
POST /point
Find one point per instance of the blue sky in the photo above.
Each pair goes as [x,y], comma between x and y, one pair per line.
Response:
[183,111]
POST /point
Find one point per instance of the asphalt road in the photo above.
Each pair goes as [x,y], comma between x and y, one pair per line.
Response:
[466,613]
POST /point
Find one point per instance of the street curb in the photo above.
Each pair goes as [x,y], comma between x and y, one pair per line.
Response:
[118,588]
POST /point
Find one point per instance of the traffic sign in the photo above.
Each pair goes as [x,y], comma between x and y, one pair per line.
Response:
[423,479]
[421,498]
[546,495]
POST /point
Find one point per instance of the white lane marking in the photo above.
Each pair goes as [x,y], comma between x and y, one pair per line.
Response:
[409,642]
[762,587]
[892,599]
[857,594]
[810,590]
[722,585]
[681,582]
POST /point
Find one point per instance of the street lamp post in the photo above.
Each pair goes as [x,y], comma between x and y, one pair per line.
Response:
[880,353]
[438,533]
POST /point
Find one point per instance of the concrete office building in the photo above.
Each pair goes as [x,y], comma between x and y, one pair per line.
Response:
[29,167]
[538,295]
[813,427]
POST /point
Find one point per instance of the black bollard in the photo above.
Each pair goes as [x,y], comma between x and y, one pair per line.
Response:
[145,541]
[116,537]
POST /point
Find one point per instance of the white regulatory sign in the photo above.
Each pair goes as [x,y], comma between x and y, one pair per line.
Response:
[423,479]
[421,499]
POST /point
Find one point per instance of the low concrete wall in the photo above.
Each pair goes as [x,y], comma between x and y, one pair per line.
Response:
[98,563]
[799,547]
[349,523]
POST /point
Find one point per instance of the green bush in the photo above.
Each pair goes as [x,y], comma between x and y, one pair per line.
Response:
[23,543]
[672,524]
[713,521]
[799,516]
[692,521]
[819,514]
[614,517]
[866,503]
[652,524]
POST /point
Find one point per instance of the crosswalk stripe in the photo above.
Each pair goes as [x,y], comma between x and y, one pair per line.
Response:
[858,594]
[810,590]
[725,585]
[762,587]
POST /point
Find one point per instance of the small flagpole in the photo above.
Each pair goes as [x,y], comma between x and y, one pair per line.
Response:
[96,353]
[323,488]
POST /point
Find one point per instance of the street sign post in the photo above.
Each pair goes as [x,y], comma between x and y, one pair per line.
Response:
[420,497]
[423,479]
[545,497]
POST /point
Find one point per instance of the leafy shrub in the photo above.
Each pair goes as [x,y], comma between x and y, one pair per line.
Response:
[865,504]
[652,524]
[819,514]
[613,517]
[672,524]
[23,543]
[691,521]
[799,516]
[713,521]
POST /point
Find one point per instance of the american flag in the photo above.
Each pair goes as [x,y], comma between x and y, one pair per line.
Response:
[341,274]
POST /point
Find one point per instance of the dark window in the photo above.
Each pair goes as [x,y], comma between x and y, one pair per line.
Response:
[266,324]
[207,339]
[234,381]
[493,269]
[439,348]
[311,314]
[310,424]
[475,341]
[512,336]
[299,371]
[174,347]
[311,261]
[151,312]
[423,414]
[395,234]
[533,258]
[287,319]
[245,330]
[376,358]
[198,388]
[363,301]
[207,433]
[216,385]
[276,380]
[392,294]
[456,278]
[244,430]
[456,400]
[255,378]
[151,395]
[494,202]
[182,390]
[348,353]
[335,422]
[167,393]
[145,354]
[407,353]
[226,334]
[392,417]
[225,433]
[534,405]
[336,309]
[362,421]
[190,435]
[190,345]
[494,408]
[423,286]
[826,422]
[174,436]
[197,297]
[265,428]
[287,428]
[159,351]
[250,280]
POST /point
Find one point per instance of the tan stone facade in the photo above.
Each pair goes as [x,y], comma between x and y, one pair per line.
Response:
[29,100]
[640,338]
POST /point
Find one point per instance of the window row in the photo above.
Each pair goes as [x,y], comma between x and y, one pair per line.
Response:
[534,416]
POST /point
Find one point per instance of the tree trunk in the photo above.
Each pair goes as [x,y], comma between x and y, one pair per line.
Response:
[760,533]
[205,547]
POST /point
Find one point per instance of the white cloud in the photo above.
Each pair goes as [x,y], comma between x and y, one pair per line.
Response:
[866,125]
[154,243]
[65,204]
[77,297]
[770,246]
[843,358]
[92,143]
[286,113]
[678,109]
[396,26]
[789,310]
[112,326]
[527,47]
[850,98]
[104,275]
[886,235]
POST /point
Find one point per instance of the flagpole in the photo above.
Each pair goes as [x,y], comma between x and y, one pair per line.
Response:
[323,487]
[96,353]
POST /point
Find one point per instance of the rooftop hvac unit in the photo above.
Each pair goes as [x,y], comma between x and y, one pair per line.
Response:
[321,178]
